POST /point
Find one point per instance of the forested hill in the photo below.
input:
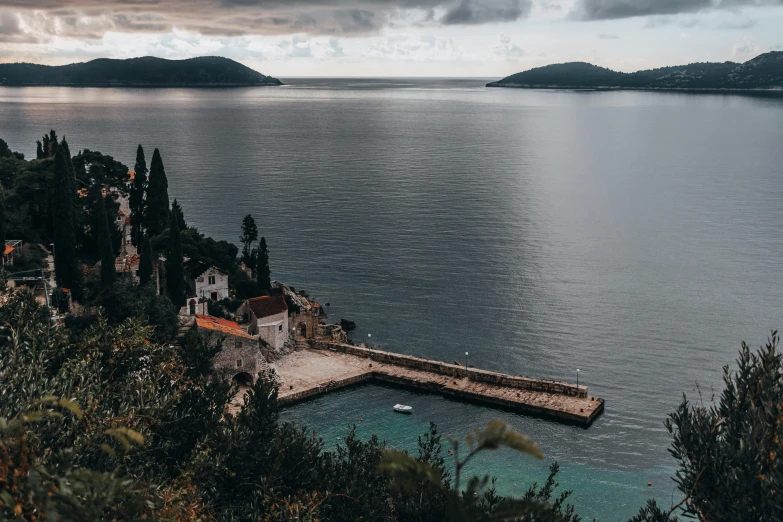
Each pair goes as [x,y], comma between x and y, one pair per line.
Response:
[763,72]
[137,72]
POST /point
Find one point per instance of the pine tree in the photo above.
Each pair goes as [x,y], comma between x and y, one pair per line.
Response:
[249,235]
[39,153]
[175,269]
[64,237]
[136,200]
[108,272]
[263,275]
[145,261]
[157,197]
[176,209]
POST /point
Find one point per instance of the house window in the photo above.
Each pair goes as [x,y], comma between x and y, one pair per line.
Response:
[280,328]
[212,280]
[239,363]
[214,296]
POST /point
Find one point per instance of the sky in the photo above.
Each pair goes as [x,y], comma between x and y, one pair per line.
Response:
[372,38]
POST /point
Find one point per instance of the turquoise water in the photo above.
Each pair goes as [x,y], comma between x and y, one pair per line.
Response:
[607,491]
[631,235]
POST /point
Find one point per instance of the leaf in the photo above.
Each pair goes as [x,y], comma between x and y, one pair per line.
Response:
[498,434]
[407,471]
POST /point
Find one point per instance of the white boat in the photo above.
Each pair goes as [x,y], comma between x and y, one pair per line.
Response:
[401,408]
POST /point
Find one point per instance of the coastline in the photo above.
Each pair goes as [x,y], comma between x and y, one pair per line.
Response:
[776,91]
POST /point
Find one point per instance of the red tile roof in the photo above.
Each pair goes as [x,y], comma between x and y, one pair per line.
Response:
[221,325]
[267,305]
[8,250]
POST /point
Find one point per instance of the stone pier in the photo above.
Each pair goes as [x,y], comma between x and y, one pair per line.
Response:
[329,366]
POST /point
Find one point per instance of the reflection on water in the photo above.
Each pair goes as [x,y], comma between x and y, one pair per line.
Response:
[628,234]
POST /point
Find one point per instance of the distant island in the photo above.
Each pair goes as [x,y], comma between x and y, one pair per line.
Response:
[765,72]
[207,71]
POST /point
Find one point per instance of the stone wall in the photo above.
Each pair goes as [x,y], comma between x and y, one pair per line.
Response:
[453,370]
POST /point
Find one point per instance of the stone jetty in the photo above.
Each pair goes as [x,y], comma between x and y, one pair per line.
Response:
[327,366]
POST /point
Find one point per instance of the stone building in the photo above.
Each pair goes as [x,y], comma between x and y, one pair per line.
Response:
[240,357]
[304,316]
[268,317]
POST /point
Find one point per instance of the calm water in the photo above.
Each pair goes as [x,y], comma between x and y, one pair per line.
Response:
[635,236]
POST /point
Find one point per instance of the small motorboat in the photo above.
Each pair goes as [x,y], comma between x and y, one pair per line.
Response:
[401,408]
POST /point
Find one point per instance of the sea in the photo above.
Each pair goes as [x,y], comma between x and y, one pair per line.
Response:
[633,236]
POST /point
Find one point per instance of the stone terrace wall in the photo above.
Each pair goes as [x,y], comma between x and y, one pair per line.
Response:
[453,370]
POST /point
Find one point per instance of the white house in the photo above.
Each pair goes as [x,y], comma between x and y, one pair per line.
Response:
[268,319]
[206,282]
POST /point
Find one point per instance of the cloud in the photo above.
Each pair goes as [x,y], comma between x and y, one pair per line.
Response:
[94,18]
[747,48]
[614,9]
[11,29]
[507,50]
[470,12]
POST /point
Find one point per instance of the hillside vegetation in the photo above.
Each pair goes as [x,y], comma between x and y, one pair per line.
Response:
[136,72]
[763,72]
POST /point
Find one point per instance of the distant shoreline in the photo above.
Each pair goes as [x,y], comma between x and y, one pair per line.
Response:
[695,90]
[144,85]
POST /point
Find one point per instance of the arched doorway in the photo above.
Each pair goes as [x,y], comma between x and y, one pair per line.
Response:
[243,378]
[192,307]
[301,329]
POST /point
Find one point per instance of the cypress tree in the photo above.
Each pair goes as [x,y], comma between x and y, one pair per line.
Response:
[108,272]
[157,197]
[145,261]
[175,268]
[263,274]
[39,154]
[136,200]
[64,237]
[248,237]
[2,226]
[45,146]
[51,140]
[176,209]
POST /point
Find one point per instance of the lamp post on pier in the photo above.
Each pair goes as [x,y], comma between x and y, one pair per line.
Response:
[577,380]
[466,364]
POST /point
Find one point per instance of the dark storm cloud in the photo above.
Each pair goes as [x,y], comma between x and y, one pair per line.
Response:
[613,9]
[11,30]
[482,12]
[89,18]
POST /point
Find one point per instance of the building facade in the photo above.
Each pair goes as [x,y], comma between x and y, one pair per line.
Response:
[268,317]
[206,282]
[240,357]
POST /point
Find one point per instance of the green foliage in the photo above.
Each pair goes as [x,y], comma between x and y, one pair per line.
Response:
[245,287]
[64,237]
[176,209]
[198,247]
[108,271]
[144,71]
[28,257]
[157,216]
[248,237]
[145,261]
[263,275]
[423,485]
[175,269]
[136,198]
[3,230]
[130,301]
